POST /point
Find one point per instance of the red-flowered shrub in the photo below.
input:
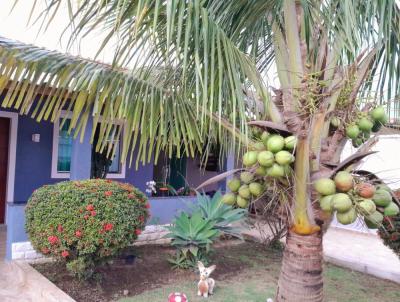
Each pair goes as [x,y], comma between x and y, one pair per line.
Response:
[85,222]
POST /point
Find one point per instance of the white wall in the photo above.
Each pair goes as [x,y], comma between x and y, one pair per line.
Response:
[386,163]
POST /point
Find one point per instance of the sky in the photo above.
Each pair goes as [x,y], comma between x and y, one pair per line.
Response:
[13,25]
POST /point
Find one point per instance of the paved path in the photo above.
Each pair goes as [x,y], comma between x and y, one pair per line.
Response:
[20,282]
[360,251]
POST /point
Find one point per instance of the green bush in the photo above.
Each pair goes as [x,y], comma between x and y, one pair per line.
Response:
[225,217]
[85,223]
[390,233]
[193,234]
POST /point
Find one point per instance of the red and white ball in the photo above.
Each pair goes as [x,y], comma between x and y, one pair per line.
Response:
[177,297]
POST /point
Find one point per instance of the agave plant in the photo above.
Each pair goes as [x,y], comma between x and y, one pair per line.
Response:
[192,236]
[226,218]
[195,75]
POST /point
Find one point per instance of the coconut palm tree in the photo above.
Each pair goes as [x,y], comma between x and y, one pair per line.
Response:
[190,73]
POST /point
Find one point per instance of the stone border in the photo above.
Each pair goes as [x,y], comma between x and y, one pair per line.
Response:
[152,234]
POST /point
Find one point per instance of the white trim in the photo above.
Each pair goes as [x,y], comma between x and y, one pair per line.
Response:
[54,157]
[12,153]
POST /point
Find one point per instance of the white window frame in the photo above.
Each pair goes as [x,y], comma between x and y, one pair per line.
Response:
[54,157]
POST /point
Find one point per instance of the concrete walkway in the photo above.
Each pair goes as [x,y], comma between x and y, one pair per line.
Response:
[363,252]
[359,251]
[20,282]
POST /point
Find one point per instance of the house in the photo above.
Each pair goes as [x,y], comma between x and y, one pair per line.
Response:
[33,154]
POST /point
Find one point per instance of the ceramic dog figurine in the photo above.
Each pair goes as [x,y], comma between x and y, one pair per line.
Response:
[206,284]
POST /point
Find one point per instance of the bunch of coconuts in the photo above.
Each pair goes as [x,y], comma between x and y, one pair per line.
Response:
[360,131]
[269,157]
[348,198]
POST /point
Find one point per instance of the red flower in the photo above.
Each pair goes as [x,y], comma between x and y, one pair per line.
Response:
[60,228]
[80,211]
[107,193]
[147,206]
[141,218]
[131,196]
[45,250]
[64,254]
[93,213]
[86,217]
[53,239]
[108,226]
[109,180]
[138,232]
[90,207]
[78,233]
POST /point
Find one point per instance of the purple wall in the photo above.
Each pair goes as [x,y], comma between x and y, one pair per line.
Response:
[33,160]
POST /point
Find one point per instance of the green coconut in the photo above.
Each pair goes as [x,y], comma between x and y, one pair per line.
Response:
[276,171]
[378,114]
[290,142]
[261,171]
[275,143]
[284,157]
[382,198]
[384,187]
[264,137]
[246,177]
[335,122]
[377,126]
[373,220]
[244,192]
[365,124]
[258,146]
[367,206]
[229,198]
[344,181]
[365,135]
[352,131]
[391,209]
[250,158]
[357,142]
[234,184]
[256,132]
[256,189]
[341,202]
[287,169]
[326,203]
[265,158]
[325,186]
[242,202]
[347,217]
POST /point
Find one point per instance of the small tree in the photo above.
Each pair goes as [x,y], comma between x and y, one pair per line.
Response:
[194,63]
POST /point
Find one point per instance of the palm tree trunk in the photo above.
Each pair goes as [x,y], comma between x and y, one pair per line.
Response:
[301,273]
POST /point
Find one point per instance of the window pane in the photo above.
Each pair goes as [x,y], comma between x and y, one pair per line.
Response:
[115,166]
[64,148]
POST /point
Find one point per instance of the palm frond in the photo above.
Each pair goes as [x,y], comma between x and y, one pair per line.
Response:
[42,83]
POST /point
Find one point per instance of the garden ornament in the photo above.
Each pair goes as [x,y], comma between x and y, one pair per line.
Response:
[206,284]
[177,297]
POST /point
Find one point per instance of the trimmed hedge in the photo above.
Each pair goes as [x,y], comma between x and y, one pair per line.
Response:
[84,223]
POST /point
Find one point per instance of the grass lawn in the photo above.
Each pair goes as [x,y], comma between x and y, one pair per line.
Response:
[255,283]
[246,272]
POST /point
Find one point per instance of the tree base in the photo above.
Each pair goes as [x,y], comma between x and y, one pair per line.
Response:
[301,277]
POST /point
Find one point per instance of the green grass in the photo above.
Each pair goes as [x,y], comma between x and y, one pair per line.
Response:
[256,284]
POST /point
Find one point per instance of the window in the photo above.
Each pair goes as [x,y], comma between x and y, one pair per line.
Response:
[62,150]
